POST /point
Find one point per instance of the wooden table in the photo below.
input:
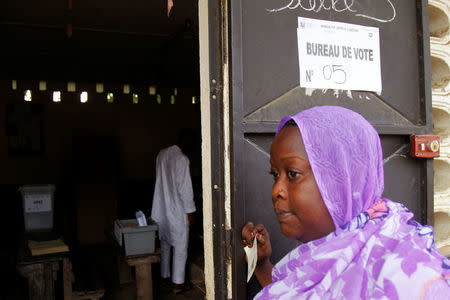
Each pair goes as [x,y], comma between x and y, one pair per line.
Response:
[143,265]
[41,273]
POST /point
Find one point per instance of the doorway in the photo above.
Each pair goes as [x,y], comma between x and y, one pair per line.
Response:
[109,86]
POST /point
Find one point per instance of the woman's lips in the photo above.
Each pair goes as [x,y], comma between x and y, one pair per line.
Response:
[282,215]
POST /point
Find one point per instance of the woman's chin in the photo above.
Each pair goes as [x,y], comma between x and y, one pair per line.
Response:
[290,233]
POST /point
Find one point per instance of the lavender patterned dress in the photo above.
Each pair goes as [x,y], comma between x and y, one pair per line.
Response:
[377,251]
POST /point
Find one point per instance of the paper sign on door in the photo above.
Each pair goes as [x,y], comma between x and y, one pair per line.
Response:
[338,55]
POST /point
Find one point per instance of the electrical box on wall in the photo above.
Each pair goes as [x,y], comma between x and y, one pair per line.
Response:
[426,146]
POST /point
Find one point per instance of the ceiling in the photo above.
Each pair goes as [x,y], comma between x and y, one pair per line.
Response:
[113,40]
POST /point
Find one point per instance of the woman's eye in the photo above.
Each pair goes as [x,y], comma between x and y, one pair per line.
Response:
[292,174]
[274,174]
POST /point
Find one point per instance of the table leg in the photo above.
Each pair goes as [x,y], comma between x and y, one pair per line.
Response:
[143,265]
[37,288]
[144,283]
[67,279]
[41,277]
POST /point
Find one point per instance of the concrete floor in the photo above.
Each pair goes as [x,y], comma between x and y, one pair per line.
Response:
[195,273]
[128,292]
[14,287]
[97,268]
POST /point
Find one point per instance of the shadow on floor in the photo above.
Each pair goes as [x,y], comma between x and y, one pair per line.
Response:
[128,292]
[98,269]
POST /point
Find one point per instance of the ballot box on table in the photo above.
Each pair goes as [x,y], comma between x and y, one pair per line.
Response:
[38,207]
[135,239]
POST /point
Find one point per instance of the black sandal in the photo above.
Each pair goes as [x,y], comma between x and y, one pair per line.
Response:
[166,282]
[181,288]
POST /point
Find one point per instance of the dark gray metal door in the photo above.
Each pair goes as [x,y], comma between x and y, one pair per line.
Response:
[265,87]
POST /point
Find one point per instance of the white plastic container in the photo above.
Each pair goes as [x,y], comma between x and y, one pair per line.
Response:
[38,207]
[135,239]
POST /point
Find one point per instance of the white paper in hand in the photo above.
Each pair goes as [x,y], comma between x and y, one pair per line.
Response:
[252,258]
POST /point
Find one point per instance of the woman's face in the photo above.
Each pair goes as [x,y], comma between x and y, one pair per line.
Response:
[296,198]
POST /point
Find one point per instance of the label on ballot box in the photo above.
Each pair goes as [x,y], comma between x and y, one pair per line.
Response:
[38,203]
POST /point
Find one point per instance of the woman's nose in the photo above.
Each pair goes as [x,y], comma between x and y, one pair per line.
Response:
[278,191]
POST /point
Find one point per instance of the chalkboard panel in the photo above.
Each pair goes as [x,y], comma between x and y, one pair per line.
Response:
[270,59]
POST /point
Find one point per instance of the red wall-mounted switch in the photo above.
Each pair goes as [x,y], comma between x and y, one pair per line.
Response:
[426,146]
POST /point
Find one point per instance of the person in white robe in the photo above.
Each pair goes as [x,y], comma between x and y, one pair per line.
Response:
[172,208]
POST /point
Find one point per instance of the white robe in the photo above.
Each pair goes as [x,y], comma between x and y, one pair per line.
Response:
[173,198]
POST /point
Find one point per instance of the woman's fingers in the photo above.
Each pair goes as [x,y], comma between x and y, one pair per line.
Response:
[251,231]
[261,229]
[261,233]
[260,238]
[248,233]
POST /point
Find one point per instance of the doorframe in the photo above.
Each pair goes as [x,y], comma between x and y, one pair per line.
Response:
[216,147]
[426,90]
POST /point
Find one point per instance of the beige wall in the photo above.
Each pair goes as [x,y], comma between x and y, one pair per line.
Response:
[439,11]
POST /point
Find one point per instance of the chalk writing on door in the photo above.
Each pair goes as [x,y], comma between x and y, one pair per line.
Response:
[338,6]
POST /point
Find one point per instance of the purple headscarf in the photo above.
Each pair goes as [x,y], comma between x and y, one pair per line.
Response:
[345,154]
[377,250]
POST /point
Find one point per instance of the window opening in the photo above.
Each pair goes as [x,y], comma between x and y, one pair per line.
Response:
[135,98]
[27,95]
[56,96]
[158,99]
[110,97]
[99,88]
[71,86]
[42,85]
[83,97]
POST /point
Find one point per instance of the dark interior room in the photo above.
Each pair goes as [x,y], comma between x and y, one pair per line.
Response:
[91,91]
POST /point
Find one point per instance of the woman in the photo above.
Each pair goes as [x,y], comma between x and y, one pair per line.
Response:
[327,166]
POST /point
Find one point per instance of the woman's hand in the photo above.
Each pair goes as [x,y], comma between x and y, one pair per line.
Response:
[263,270]
[264,247]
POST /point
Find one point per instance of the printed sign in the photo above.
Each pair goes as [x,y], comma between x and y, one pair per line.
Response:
[38,203]
[338,55]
